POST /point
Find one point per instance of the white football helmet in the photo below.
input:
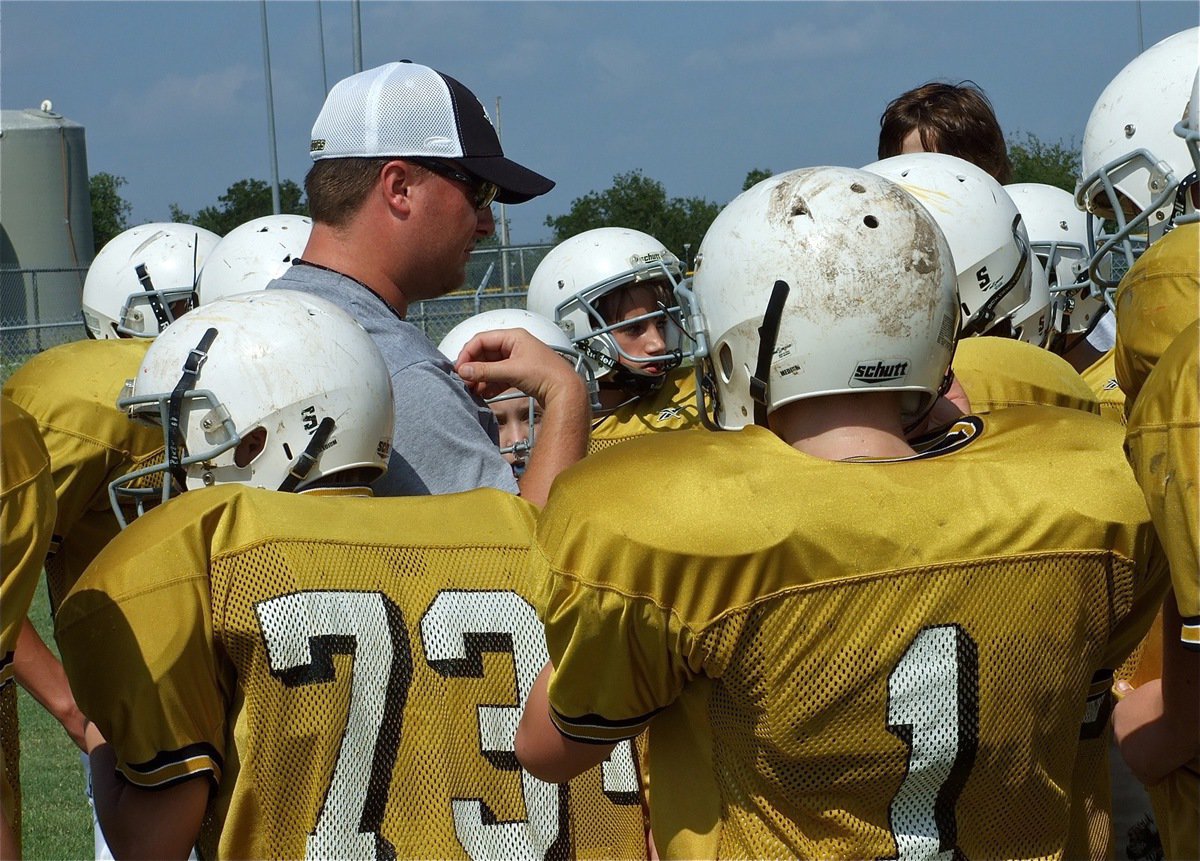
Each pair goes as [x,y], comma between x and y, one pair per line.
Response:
[571,280]
[1058,236]
[289,363]
[139,275]
[870,302]
[1189,129]
[1133,164]
[984,229]
[542,329]
[252,255]
[1032,322]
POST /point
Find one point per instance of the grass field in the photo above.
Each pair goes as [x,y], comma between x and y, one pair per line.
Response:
[56,820]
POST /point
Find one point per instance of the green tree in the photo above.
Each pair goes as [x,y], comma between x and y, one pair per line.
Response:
[244,200]
[756,176]
[1048,163]
[641,203]
[110,211]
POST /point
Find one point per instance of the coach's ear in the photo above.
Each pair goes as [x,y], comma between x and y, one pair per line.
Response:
[250,447]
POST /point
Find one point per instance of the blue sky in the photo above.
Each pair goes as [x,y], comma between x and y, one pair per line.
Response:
[173,99]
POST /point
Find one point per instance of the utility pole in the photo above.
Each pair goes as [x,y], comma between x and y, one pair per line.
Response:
[321,34]
[504,279]
[1141,42]
[262,5]
[356,22]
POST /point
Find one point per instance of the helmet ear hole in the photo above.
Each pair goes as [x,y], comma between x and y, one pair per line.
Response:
[725,358]
[251,446]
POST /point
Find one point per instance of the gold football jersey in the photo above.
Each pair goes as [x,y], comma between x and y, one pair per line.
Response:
[847,659]
[1156,299]
[1101,377]
[1004,372]
[348,672]
[26,521]
[1162,440]
[72,390]
[672,407]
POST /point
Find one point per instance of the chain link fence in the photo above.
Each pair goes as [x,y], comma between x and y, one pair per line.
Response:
[496,278]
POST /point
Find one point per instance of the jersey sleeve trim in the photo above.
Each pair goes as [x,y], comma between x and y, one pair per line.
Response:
[170,767]
[594,729]
[1189,634]
[6,668]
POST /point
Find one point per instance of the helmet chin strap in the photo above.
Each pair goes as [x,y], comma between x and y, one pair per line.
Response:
[987,312]
[187,382]
[308,458]
[768,333]
[160,313]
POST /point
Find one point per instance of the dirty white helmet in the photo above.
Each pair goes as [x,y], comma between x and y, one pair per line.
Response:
[984,229]
[289,363]
[538,326]
[143,279]
[869,302]
[571,280]
[1132,162]
[252,255]
[1058,236]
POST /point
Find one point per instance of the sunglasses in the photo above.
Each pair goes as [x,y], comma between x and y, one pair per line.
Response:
[483,191]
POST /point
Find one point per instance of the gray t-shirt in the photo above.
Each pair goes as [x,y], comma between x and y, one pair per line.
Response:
[445,439]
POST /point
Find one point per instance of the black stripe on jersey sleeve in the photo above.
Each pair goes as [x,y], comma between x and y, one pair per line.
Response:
[180,755]
[596,729]
[1189,634]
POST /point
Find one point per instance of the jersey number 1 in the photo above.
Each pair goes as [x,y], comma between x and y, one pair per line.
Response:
[933,706]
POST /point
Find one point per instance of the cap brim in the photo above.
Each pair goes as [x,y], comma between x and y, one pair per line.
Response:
[517,184]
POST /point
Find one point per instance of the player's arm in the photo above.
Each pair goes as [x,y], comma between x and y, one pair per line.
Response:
[1157,726]
[144,823]
[41,675]
[493,362]
[543,750]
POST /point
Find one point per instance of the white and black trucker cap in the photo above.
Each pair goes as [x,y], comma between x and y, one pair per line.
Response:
[408,110]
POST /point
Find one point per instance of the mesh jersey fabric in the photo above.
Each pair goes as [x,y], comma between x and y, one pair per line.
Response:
[327,668]
[72,390]
[848,660]
[1004,372]
[1101,377]
[672,407]
[997,373]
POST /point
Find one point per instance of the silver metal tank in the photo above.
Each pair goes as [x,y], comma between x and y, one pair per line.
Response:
[45,230]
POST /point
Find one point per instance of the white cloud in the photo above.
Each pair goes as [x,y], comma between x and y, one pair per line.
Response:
[175,103]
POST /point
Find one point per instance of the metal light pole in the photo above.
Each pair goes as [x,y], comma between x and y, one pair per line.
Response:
[321,34]
[503,216]
[270,110]
[1141,43]
[356,22]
